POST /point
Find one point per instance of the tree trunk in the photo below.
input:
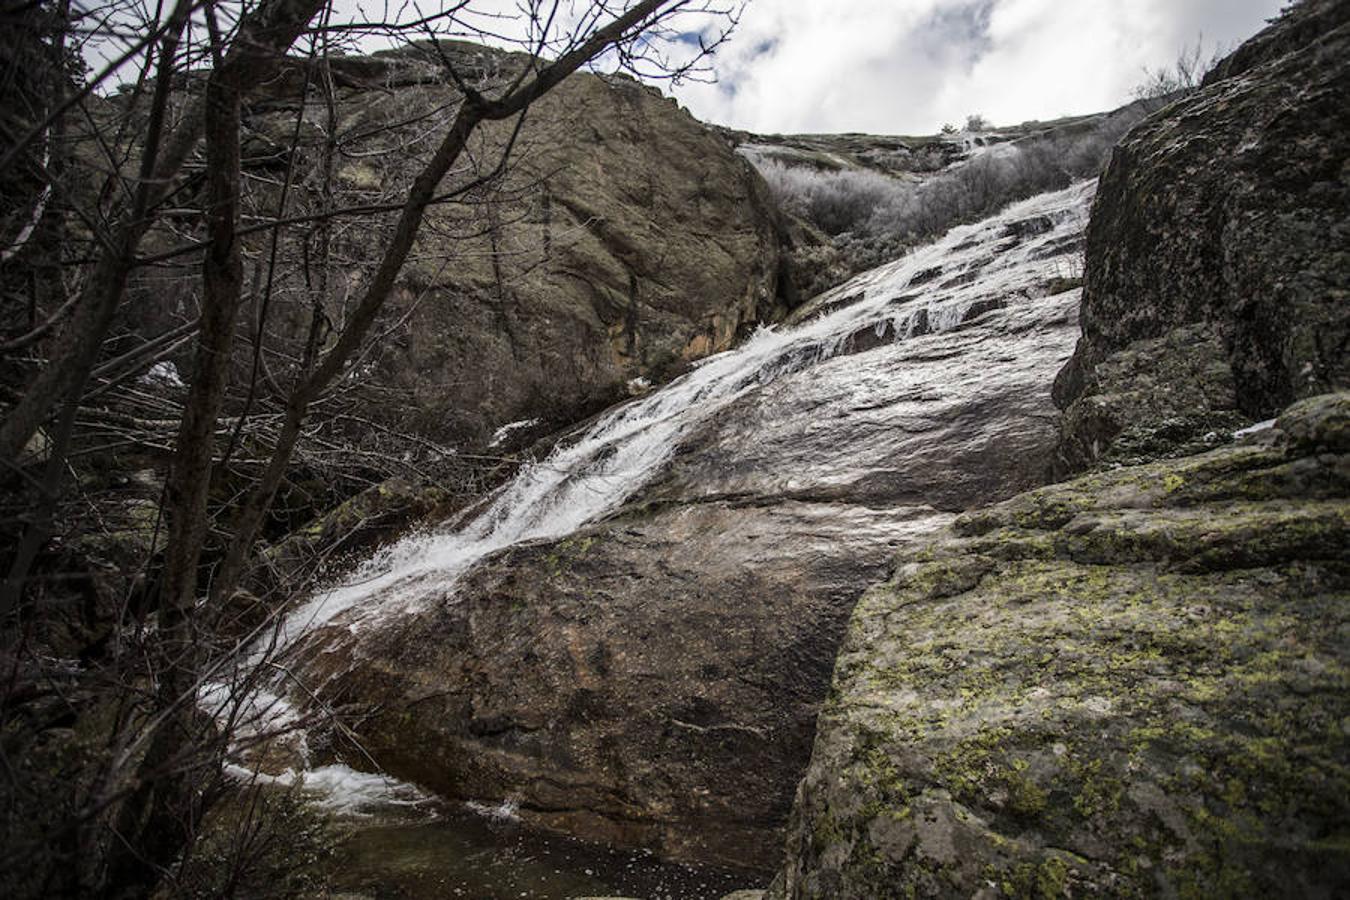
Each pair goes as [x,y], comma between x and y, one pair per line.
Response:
[161,816]
[262,39]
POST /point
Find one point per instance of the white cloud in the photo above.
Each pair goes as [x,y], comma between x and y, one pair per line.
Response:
[906,66]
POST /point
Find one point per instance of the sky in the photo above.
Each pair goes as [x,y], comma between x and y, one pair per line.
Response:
[881,66]
[908,66]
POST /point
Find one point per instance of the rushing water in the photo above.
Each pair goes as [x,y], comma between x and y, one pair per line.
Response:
[583,480]
[935,288]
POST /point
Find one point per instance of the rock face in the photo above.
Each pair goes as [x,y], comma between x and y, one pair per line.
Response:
[1132,684]
[1220,240]
[653,679]
[624,240]
[642,260]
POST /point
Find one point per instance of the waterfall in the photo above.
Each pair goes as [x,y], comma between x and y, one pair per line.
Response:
[935,288]
[592,476]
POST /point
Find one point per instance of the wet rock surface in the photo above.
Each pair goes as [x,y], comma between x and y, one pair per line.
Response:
[1230,211]
[919,421]
[649,682]
[1131,684]
[654,680]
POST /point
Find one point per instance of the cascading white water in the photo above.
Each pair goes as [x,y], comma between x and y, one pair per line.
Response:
[932,289]
[584,480]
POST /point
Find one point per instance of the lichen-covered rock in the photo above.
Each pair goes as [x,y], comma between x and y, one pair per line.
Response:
[1167,396]
[1318,425]
[1132,684]
[1229,209]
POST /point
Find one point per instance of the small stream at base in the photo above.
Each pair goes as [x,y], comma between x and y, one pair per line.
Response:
[396,842]
[410,855]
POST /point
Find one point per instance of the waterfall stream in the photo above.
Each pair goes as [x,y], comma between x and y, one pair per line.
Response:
[939,287]
[584,480]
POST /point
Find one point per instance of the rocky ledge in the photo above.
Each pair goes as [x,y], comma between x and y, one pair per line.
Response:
[1130,684]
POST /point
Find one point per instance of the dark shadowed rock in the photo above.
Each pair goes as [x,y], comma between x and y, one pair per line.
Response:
[1229,209]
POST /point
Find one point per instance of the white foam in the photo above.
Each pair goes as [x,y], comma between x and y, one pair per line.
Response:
[506,811]
[338,788]
[1254,429]
[501,434]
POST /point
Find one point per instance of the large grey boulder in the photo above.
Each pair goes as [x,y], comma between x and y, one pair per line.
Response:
[1220,239]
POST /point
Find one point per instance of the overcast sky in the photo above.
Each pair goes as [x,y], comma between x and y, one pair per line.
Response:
[907,66]
[900,66]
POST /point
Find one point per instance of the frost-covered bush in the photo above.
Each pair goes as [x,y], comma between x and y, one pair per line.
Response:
[834,201]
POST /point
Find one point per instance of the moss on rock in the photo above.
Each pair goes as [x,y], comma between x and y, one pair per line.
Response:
[1133,684]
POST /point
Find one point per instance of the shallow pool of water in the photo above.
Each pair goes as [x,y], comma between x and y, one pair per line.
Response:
[458,853]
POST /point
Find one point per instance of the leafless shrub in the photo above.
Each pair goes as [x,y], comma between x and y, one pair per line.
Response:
[834,201]
[1188,70]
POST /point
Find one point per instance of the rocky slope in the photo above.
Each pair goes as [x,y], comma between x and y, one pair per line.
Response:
[1134,683]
